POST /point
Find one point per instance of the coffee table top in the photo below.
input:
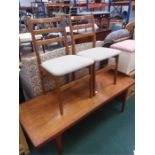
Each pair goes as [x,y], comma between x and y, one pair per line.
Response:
[40,116]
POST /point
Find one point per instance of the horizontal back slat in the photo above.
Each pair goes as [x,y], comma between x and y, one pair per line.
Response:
[77,18]
[52,22]
[49,30]
[83,35]
[45,20]
[82,26]
[83,22]
[49,41]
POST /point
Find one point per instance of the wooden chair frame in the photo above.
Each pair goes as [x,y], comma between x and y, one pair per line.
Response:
[82,26]
[63,39]
[92,34]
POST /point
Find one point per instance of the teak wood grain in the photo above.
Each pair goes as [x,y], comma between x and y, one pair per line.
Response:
[40,116]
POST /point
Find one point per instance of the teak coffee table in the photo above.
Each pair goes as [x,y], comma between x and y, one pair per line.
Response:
[40,117]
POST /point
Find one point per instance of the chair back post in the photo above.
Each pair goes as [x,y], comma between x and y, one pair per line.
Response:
[93,28]
[91,34]
[72,35]
[30,27]
[65,35]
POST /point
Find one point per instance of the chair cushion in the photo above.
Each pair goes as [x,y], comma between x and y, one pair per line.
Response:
[99,53]
[26,37]
[66,64]
[127,45]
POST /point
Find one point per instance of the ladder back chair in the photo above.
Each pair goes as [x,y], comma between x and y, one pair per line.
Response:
[96,53]
[60,66]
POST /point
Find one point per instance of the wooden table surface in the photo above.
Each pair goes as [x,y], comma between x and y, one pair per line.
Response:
[40,116]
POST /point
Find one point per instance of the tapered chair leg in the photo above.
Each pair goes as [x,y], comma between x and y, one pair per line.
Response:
[32,47]
[94,78]
[73,76]
[43,47]
[42,81]
[59,144]
[116,67]
[58,90]
[91,81]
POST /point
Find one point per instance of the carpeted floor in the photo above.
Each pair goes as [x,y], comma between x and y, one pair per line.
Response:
[105,132]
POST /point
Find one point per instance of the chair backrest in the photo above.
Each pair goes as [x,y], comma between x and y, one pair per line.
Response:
[130,26]
[52,29]
[83,22]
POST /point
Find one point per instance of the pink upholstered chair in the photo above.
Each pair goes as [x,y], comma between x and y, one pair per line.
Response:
[127,57]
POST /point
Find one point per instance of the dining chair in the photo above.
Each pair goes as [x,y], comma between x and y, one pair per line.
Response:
[97,54]
[60,66]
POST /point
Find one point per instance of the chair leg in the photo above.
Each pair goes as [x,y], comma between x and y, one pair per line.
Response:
[58,89]
[59,144]
[32,46]
[67,78]
[43,47]
[73,76]
[42,81]
[116,67]
[94,78]
[91,81]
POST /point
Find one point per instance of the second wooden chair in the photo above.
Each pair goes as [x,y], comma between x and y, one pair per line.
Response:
[97,54]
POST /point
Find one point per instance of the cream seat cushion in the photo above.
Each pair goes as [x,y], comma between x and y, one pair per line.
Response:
[99,53]
[26,37]
[66,64]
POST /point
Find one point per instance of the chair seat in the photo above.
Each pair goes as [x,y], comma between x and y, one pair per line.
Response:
[66,64]
[26,37]
[127,45]
[99,53]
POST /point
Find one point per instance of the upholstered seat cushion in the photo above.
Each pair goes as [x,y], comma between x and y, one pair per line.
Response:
[127,45]
[66,64]
[26,37]
[99,53]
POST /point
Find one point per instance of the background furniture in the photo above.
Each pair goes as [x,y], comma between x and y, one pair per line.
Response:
[131,28]
[127,57]
[38,9]
[23,146]
[26,40]
[117,6]
[102,18]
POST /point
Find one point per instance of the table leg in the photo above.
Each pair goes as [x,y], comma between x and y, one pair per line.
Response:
[123,98]
[59,144]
